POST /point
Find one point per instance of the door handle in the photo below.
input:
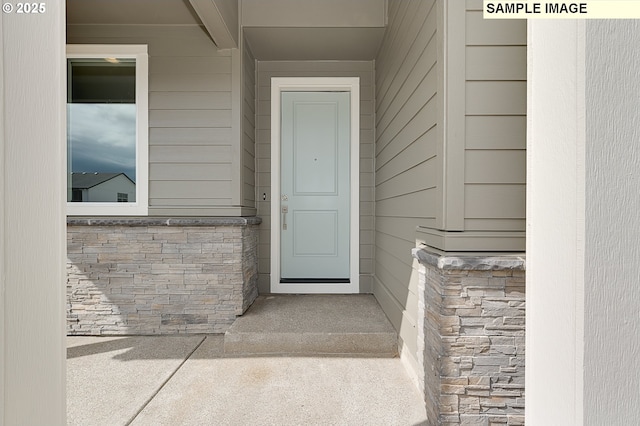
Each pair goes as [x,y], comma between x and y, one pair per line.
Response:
[285,210]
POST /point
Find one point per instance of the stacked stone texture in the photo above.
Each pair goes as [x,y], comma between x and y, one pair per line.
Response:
[124,279]
[472,339]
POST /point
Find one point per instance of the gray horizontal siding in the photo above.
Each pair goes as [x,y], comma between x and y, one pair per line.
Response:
[190,100]
[363,70]
[190,65]
[496,97]
[193,136]
[495,108]
[408,159]
[481,32]
[190,119]
[495,132]
[481,186]
[188,172]
[496,62]
[512,168]
[190,154]
[248,125]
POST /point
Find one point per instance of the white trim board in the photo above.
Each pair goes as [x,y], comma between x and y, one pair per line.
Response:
[316,84]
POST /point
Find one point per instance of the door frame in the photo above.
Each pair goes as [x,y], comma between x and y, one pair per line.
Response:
[316,84]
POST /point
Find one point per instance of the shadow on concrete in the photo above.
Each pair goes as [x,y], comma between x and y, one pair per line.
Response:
[175,347]
[137,347]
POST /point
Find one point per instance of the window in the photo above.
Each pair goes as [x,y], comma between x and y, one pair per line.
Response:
[107,130]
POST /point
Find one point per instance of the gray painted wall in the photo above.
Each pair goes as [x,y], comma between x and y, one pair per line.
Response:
[408,161]
[481,185]
[248,126]
[495,122]
[194,147]
[364,70]
[450,142]
[612,254]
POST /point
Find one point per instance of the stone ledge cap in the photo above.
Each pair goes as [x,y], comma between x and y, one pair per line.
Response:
[164,221]
[470,262]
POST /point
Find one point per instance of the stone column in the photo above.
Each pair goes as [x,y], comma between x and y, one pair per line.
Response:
[471,337]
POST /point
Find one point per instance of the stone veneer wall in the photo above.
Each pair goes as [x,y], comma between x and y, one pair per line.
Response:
[158,275]
[471,338]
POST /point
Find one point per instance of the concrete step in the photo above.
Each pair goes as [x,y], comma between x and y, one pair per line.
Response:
[313,325]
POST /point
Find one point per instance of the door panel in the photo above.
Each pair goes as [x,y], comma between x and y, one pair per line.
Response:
[315,186]
[315,148]
[316,233]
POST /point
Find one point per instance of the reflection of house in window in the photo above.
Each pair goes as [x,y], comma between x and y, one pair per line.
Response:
[102,187]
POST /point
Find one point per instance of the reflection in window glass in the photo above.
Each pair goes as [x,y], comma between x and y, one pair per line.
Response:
[101,130]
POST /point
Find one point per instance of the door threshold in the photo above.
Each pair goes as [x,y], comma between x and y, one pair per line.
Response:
[315,280]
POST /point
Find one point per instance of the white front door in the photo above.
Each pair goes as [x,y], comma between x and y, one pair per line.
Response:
[313,192]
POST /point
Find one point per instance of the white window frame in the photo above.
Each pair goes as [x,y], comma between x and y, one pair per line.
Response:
[141,206]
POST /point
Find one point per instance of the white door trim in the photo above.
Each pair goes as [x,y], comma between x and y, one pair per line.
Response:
[316,84]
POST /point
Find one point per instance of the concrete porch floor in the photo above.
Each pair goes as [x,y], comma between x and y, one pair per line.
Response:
[191,380]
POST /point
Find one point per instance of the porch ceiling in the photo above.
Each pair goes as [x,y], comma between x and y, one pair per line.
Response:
[284,44]
[325,38]
[144,12]
[280,30]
